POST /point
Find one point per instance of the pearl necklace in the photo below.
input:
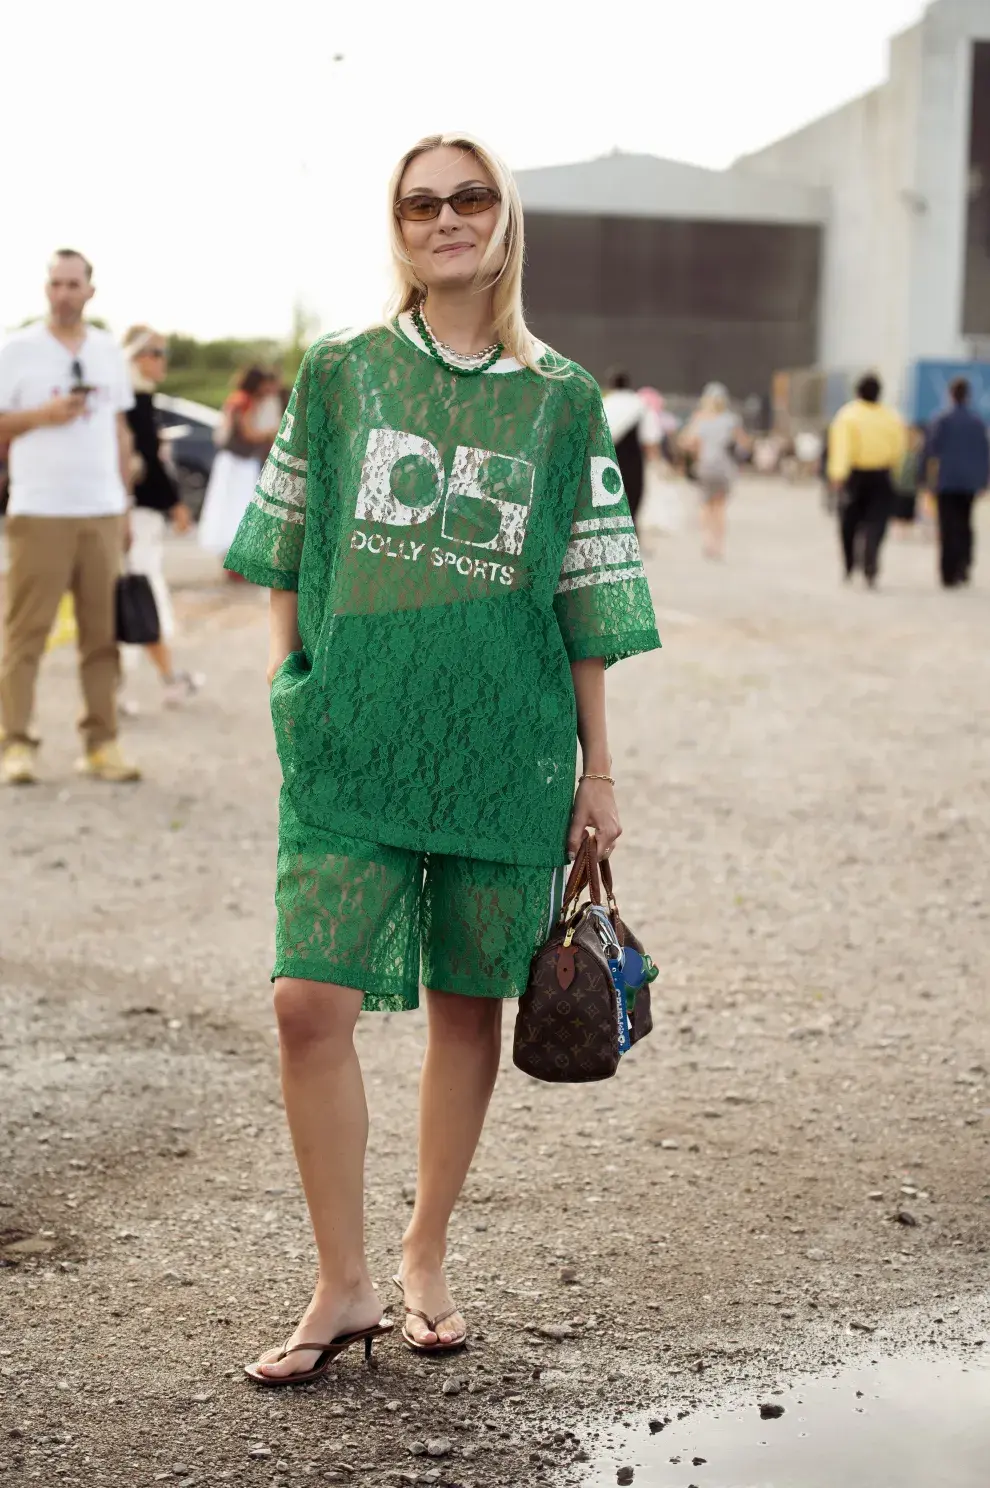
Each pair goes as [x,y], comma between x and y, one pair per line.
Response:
[468,363]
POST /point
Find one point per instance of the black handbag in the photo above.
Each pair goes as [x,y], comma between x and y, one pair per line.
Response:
[137,613]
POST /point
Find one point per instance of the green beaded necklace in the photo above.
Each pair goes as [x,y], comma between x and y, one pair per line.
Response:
[419,322]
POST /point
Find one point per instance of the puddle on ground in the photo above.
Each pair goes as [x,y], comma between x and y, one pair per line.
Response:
[909,1421]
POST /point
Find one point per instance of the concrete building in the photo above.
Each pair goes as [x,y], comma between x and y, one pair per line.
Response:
[906,169]
[861,241]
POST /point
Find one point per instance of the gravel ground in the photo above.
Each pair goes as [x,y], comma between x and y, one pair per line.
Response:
[800,1147]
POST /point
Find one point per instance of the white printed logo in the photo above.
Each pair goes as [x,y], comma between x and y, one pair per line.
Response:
[486,492]
[606,482]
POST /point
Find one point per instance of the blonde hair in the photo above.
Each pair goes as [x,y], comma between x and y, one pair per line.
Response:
[714,399]
[137,338]
[500,268]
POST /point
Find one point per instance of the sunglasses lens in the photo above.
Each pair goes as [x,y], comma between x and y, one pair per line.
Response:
[418,208]
[473,199]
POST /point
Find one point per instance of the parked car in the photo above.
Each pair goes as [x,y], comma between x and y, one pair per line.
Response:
[187,428]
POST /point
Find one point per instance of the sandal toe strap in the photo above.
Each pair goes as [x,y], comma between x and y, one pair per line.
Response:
[304,1348]
[431,1323]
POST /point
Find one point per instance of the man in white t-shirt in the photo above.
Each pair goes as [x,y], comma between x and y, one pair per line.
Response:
[64,390]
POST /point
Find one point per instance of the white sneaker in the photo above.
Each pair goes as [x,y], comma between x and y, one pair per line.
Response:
[17,767]
[183,688]
[107,763]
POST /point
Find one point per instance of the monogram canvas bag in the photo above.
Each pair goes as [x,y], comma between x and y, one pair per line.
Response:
[570,1026]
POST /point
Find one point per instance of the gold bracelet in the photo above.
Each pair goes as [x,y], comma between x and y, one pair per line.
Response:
[590,775]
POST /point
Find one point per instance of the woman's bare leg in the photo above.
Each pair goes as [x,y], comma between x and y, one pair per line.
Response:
[328,1118]
[718,525]
[161,657]
[463,1048]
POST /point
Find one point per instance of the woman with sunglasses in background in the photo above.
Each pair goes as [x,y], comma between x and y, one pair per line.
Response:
[251,418]
[452,565]
[156,504]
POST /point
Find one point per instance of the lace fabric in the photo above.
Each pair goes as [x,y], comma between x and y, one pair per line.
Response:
[368,916]
[455,542]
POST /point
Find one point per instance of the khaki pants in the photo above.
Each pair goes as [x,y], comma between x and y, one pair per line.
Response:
[47,556]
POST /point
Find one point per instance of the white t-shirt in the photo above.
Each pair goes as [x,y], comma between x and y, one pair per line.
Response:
[625,411]
[72,470]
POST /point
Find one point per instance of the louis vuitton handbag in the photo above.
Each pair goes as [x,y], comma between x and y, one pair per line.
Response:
[588,996]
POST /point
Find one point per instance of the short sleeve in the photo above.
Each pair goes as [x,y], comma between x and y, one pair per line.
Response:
[8,378]
[650,428]
[603,603]
[269,542]
[123,392]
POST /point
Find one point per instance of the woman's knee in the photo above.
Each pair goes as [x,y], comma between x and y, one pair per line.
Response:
[314,1012]
[463,1019]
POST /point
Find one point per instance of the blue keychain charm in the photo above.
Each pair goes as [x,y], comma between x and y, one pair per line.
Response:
[622,1016]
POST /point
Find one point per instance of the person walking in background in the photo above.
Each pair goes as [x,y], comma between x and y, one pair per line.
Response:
[957,441]
[64,393]
[636,433]
[711,439]
[156,504]
[661,504]
[867,442]
[251,417]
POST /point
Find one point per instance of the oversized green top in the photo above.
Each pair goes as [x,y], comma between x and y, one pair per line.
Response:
[456,542]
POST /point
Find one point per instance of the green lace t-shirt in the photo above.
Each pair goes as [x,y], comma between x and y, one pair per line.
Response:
[456,542]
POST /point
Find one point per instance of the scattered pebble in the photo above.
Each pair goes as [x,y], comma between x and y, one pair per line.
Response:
[439,1446]
[556,1331]
[906,1218]
[625,1475]
[32,1246]
[771,1412]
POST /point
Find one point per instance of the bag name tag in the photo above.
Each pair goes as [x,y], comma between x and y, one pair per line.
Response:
[621,1014]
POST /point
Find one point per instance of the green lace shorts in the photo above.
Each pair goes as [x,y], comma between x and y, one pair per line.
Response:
[364,915]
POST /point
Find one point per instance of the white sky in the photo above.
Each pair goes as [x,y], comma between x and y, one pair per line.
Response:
[217,164]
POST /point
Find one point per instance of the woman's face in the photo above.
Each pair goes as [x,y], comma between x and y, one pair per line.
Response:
[447,251]
[153,361]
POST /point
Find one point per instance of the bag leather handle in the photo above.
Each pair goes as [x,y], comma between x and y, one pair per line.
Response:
[585,873]
[588,871]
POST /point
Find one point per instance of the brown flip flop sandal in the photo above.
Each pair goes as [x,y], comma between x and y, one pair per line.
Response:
[327,1353]
[432,1324]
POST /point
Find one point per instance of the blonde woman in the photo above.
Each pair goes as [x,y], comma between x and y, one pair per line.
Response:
[452,564]
[712,437]
[157,505]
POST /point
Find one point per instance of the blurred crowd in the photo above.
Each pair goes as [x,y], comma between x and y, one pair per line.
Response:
[96,488]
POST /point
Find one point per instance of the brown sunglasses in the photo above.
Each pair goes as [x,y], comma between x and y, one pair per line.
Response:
[468,202]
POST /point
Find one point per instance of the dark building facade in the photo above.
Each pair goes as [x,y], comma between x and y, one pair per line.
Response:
[677,302]
[976,288]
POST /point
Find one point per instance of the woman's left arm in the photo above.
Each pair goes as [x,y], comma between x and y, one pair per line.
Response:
[594,804]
